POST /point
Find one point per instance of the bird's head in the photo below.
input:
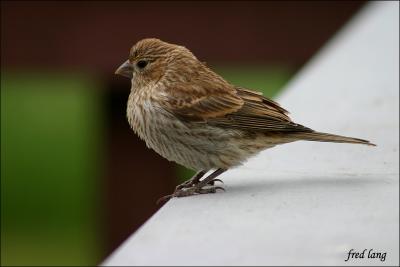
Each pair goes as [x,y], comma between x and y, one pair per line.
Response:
[152,59]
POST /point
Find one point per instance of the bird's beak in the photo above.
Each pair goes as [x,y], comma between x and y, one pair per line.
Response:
[125,70]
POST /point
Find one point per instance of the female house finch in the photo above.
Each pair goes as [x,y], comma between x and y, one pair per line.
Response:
[189,114]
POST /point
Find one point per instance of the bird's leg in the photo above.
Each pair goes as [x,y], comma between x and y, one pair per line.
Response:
[209,180]
[200,187]
[192,181]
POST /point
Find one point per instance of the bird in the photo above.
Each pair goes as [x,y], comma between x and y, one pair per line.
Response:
[189,114]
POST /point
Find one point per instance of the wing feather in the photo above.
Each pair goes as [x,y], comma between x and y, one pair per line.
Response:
[203,104]
[231,107]
[258,113]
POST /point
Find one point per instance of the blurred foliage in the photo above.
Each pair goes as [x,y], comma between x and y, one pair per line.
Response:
[267,79]
[49,182]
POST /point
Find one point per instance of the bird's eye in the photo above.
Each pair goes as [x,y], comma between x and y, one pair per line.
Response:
[141,64]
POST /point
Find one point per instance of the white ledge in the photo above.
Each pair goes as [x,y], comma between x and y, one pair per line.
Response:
[304,203]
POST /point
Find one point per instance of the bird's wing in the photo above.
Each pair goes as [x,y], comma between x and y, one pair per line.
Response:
[235,107]
[202,104]
[258,113]
[258,105]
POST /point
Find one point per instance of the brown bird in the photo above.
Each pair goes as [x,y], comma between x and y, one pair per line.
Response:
[189,114]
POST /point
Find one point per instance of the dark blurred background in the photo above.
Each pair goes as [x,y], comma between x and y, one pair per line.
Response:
[75,180]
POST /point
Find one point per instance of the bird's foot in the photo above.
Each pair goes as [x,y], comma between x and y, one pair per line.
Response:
[186,184]
[196,190]
[193,190]
[196,186]
[191,183]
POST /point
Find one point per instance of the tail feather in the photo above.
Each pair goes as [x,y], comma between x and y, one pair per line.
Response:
[325,137]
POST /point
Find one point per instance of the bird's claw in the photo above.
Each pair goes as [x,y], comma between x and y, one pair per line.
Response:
[190,183]
[197,190]
[185,192]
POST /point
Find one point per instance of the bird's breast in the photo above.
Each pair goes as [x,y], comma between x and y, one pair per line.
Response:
[161,131]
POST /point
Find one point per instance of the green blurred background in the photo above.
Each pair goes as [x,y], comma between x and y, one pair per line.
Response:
[75,181]
[50,149]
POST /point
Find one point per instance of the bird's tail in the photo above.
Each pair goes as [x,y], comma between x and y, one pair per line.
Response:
[325,137]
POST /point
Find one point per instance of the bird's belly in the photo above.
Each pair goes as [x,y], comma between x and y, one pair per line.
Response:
[193,145]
